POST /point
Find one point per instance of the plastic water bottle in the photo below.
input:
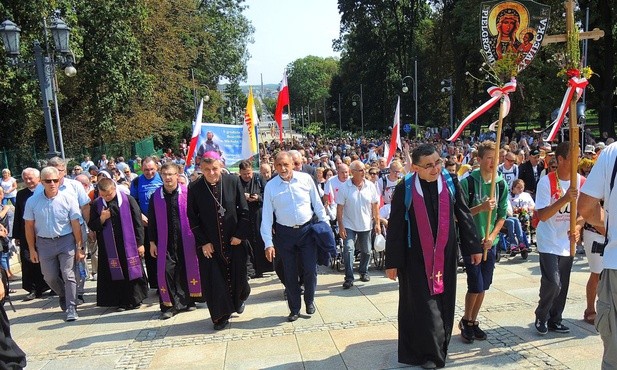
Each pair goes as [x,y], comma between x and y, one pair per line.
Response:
[82,269]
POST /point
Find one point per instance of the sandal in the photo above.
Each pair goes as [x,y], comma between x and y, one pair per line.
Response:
[589,317]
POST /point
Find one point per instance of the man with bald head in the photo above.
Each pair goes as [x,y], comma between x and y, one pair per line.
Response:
[293,199]
[357,212]
[31,276]
[301,166]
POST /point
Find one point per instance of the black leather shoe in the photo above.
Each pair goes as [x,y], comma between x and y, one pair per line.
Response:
[310,308]
[365,277]
[429,365]
[241,308]
[293,317]
[221,324]
[347,284]
[167,315]
[30,297]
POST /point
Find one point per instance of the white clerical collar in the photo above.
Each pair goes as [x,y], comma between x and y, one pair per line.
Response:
[117,196]
[419,187]
[163,190]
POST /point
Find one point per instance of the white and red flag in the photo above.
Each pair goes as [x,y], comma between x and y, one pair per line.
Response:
[196,133]
[283,100]
[395,139]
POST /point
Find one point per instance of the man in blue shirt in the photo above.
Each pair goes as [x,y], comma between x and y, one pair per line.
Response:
[141,189]
[54,238]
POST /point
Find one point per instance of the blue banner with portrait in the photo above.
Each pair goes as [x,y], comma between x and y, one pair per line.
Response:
[224,139]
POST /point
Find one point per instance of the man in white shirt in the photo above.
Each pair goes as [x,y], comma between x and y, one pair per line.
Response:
[553,198]
[332,188]
[357,208]
[86,164]
[387,183]
[599,187]
[290,197]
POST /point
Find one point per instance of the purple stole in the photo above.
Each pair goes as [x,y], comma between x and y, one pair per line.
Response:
[130,242]
[433,250]
[188,244]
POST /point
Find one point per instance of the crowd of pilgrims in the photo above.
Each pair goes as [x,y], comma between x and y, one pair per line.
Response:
[196,234]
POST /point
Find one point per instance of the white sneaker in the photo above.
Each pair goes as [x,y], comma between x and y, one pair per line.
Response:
[71,314]
[93,278]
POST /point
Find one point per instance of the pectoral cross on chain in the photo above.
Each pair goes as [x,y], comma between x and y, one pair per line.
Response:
[222,211]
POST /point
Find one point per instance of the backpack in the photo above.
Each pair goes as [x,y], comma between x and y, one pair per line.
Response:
[471,190]
[408,184]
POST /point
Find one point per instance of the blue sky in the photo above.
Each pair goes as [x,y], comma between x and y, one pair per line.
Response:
[286,30]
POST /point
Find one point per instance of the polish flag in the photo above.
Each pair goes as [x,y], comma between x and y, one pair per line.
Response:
[196,133]
[395,139]
[283,100]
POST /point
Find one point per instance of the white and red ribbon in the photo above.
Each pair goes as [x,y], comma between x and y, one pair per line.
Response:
[496,94]
[575,85]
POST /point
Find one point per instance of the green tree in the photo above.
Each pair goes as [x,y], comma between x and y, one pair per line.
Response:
[309,80]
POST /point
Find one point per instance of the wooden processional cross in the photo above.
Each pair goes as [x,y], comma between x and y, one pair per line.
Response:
[574,144]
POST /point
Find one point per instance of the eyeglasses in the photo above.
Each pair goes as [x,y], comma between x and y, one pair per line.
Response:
[429,166]
[49,181]
[553,167]
[510,160]
[360,170]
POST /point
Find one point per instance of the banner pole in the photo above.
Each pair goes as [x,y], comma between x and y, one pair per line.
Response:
[489,224]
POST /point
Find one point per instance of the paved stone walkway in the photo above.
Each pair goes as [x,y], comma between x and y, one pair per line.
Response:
[352,329]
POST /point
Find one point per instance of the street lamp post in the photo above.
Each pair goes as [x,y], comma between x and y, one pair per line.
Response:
[354,100]
[448,87]
[325,122]
[405,89]
[43,64]
[334,109]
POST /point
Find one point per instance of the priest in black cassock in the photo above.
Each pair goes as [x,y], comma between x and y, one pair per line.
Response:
[218,215]
[173,245]
[116,219]
[254,185]
[426,267]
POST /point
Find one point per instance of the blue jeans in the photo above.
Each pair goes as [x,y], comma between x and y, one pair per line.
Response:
[362,240]
[515,231]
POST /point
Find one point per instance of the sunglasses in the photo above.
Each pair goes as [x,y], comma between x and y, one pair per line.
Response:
[373,173]
[49,181]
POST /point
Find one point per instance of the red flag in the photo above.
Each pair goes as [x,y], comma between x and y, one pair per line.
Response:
[282,101]
[196,133]
[395,139]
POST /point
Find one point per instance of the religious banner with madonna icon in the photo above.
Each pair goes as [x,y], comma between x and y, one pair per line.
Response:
[513,27]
